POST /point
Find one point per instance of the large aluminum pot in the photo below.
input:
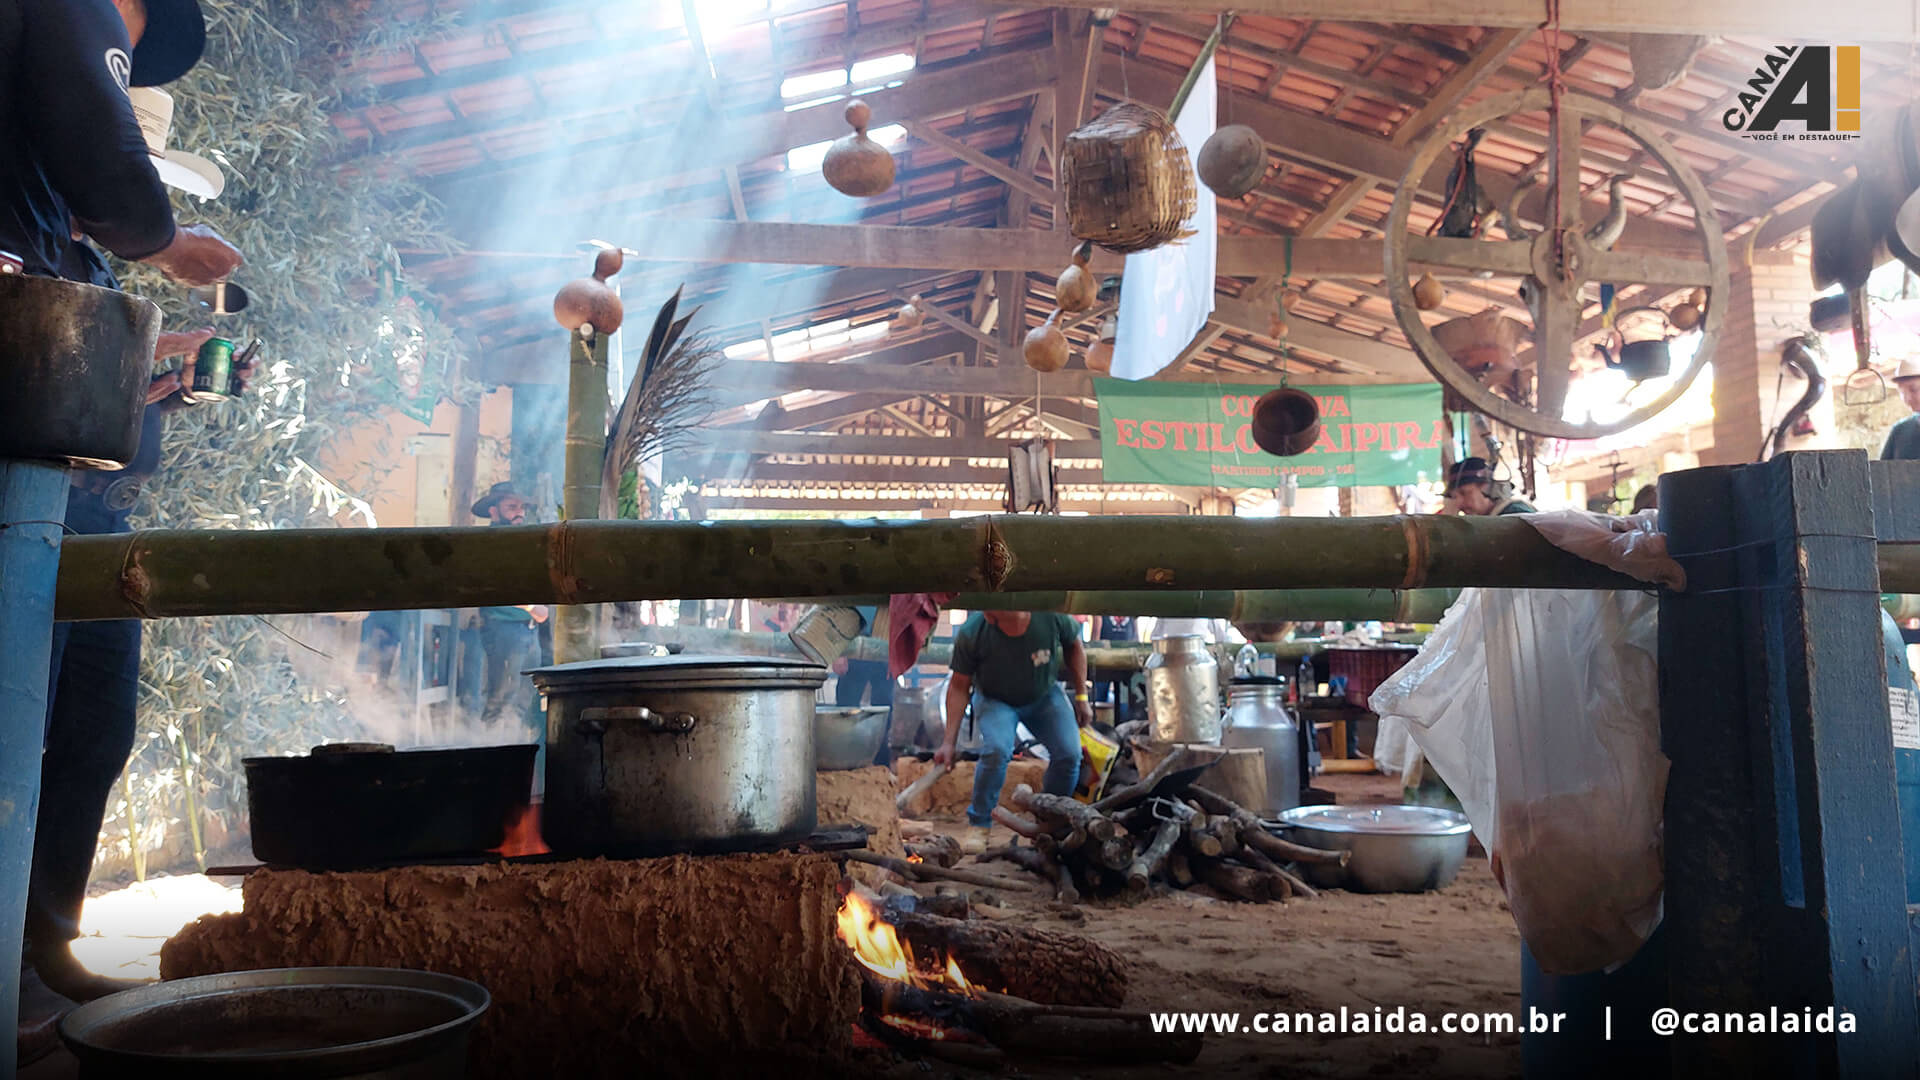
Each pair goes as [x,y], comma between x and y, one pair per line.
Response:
[386,1023]
[657,755]
[848,738]
[78,361]
[1183,690]
[1395,848]
[1257,717]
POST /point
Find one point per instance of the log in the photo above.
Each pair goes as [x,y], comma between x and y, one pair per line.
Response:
[1201,838]
[1256,834]
[939,850]
[1040,965]
[1022,826]
[1279,882]
[1075,813]
[1133,793]
[1117,853]
[923,872]
[1238,773]
[1154,858]
[1229,835]
[1239,882]
[1179,869]
[1031,1029]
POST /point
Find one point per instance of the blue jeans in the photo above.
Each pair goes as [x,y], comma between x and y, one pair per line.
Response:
[1052,722]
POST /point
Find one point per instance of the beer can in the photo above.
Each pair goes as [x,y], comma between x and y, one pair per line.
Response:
[213,370]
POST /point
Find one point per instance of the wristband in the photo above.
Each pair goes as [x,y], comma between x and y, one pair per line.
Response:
[1081,696]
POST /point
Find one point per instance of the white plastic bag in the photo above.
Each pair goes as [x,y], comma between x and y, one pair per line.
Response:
[1540,709]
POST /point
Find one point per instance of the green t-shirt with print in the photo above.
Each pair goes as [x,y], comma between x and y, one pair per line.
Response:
[1017,671]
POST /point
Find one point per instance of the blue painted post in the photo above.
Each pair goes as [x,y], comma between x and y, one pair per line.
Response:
[1785,885]
[33,501]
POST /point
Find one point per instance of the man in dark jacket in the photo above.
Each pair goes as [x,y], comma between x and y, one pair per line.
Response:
[73,163]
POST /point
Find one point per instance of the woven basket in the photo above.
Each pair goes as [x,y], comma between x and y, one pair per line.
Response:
[1128,184]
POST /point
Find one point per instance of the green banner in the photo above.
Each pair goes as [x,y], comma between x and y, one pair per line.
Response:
[1198,434]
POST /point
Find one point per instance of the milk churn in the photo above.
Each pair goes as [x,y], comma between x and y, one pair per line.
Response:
[1257,717]
[1183,690]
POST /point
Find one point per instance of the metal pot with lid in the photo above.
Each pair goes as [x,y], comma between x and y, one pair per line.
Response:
[653,755]
[1395,848]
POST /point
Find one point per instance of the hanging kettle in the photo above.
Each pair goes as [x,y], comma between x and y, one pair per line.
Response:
[1638,360]
[1286,422]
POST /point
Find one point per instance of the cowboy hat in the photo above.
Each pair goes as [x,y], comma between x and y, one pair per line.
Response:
[493,496]
[175,37]
[1473,470]
[190,173]
[1909,369]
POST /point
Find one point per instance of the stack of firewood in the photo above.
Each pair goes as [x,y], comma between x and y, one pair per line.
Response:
[1152,833]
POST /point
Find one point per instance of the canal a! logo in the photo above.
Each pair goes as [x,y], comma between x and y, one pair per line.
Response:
[1800,93]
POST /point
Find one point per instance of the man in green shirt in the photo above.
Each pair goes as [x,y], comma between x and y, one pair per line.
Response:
[1470,484]
[1007,664]
[507,633]
[1903,440]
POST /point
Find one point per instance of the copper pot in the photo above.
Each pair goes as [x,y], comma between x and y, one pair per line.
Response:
[1286,422]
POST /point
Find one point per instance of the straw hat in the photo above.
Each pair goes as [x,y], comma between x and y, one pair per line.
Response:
[190,173]
[1909,369]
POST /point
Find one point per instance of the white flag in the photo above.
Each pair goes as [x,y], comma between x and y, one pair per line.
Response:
[1166,294]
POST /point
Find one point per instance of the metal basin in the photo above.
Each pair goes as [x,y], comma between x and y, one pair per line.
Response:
[78,360]
[848,738]
[286,1022]
[1395,848]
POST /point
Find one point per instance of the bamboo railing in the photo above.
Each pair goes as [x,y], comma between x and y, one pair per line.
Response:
[160,574]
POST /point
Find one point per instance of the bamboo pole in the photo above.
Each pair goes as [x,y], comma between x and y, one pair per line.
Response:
[160,574]
[574,629]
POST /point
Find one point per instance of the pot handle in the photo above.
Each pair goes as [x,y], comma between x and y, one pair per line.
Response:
[595,720]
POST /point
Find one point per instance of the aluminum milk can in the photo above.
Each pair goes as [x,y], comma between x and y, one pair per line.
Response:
[1183,690]
[1257,716]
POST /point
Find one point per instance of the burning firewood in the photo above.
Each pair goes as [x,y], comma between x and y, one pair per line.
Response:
[924,872]
[939,849]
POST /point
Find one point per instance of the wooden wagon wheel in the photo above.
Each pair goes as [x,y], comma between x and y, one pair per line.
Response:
[1556,274]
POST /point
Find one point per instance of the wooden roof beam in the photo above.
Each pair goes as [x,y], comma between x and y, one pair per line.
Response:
[1784,20]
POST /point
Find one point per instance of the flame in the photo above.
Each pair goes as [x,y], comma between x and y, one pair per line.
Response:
[879,949]
[523,834]
[914,857]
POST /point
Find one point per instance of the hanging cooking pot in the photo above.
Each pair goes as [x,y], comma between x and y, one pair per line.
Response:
[1286,422]
[655,755]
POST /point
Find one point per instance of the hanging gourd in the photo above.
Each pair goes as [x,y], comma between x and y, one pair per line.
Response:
[1045,349]
[1698,298]
[1075,289]
[1232,161]
[1128,184]
[585,301]
[1279,326]
[856,165]
[1684,316]
[1100,355]
[1428,293]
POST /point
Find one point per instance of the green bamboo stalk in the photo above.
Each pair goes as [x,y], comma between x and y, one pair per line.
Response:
[137,853]
[574,626]
[186,792]
[1199,64]
[161,574]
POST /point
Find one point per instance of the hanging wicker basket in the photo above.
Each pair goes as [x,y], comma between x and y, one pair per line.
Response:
[1128,183]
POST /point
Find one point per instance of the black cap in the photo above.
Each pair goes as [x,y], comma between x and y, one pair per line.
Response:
[175,37]
[1473,470]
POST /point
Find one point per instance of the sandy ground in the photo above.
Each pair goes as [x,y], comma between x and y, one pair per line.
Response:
[1453,950]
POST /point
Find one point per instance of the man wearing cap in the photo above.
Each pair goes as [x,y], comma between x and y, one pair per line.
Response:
[507,634]
[73,164]
[73,161]
[1470,484]
[1903,441]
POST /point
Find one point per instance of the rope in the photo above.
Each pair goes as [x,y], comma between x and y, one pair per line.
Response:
[1556,85]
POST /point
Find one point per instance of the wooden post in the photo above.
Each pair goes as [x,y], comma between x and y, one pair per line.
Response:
[1785,886]
[33,503]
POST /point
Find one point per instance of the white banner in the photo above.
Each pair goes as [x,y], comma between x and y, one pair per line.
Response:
[1166,294]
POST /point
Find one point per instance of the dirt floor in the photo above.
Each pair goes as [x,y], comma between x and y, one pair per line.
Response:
[1453,950]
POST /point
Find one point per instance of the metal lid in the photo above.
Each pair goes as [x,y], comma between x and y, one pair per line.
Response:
[1393,820]
[682,673]
[1181,643]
